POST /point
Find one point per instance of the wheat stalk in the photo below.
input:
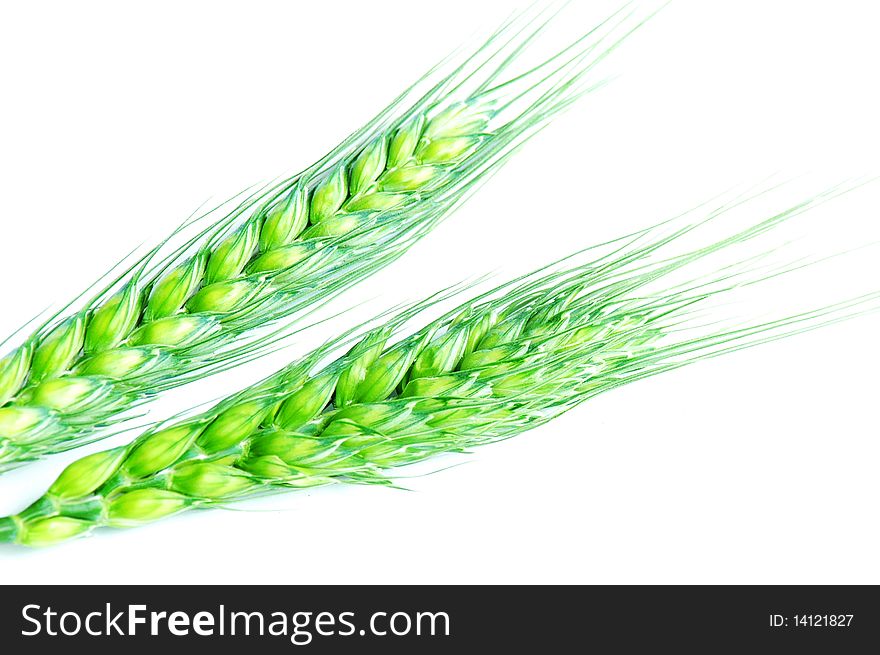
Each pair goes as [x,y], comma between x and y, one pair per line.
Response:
[168,319]
[493,368]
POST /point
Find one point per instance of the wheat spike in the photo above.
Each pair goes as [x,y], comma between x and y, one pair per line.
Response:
[172,318]
[493,368]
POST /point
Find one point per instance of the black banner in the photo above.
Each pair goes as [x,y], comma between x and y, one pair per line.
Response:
[439,619]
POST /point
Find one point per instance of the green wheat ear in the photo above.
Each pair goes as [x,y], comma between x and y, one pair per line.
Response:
[500,364]
[170,319]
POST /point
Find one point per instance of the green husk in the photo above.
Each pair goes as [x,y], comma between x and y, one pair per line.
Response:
[168,319]
[496,366]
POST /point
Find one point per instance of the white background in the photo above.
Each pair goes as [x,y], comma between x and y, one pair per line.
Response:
[118,119]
